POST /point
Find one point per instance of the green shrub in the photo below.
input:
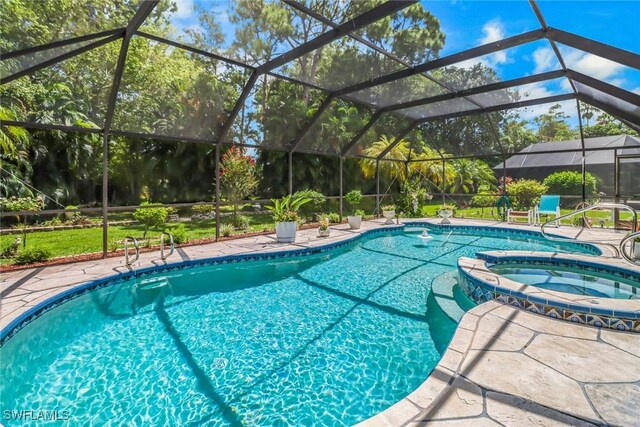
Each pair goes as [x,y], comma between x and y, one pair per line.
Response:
[151,217]
[353,198]
[333,217]
[412,194]
[202,209]
[317,202]
[226,230]
[240,221]
[113,244]
[31,255]
[484,198]
[570,183]
[179,234]
[525,193]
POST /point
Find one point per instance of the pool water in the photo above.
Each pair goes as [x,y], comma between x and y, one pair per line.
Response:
[332,338]
[571,281]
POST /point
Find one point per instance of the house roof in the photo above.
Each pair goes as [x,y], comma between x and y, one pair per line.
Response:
[537,155]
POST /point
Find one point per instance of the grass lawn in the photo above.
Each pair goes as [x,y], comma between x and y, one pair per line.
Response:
[86,240]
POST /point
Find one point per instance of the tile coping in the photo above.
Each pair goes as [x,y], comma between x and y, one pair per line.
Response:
[486,284]
[26,317]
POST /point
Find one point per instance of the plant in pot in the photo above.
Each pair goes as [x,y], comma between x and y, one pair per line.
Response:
[353,198]
[446,211]
[285,214]
[324,230]
[388,211]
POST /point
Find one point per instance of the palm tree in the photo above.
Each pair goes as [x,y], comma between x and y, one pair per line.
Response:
[469,175]
[391,169]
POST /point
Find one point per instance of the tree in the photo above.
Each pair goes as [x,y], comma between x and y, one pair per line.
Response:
[151,217]
[239,175]
[469,175]
[553,126]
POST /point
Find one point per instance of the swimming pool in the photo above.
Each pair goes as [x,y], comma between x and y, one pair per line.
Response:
[327,338]
[569,280]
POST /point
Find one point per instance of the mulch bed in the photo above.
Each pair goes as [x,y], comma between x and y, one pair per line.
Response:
[120,252]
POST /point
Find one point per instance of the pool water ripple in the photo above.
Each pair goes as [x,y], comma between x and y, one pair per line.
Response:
[331,338]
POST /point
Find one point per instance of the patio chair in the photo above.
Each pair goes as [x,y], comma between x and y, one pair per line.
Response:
[549,205]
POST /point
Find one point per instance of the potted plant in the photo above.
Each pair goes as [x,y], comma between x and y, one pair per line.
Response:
[353,198]
[285,214]
[388,211]
[324,230]
[445,212]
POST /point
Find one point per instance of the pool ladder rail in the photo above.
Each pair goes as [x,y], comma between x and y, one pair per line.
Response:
[629,256]
[128,261]
[619,250]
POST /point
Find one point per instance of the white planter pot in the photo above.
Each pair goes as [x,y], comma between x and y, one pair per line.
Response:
[636,250]
[445,214]
[354,221]
[324,233]
[286,231]
[389,215]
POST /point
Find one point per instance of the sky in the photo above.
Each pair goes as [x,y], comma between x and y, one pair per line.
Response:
[467,24]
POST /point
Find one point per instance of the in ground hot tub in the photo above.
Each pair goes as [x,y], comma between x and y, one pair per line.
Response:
[570,280]
[577,288]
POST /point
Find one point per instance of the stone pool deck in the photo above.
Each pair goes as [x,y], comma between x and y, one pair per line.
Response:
[504,365]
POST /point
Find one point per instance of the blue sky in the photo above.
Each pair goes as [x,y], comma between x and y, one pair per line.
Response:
[472,23]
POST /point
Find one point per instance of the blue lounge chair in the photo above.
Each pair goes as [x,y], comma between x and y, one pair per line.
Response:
[549,205]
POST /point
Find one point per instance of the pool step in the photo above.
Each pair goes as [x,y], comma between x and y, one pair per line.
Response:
[452,303]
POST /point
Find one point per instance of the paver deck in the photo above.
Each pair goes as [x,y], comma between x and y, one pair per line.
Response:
[503,366]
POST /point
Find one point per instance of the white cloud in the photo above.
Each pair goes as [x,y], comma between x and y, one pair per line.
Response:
[492,31]
[594,66]
[544,59]
[184,9]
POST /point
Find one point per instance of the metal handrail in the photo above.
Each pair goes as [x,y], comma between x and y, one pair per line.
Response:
[162,255]
[630,238]
[127,239]
[590,208]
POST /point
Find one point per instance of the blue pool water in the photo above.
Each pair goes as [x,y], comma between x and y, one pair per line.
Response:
[576,282]
[331,339]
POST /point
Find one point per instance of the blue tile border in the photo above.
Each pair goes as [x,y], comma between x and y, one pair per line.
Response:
[589,247]
[25,318]
[482,291]
[28,316]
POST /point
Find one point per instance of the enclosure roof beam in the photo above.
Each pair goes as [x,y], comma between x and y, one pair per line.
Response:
[238,106]
[321,109]
[554,46]
[144,10]
[374,118]
[616,112]
[398,139]
[194,50]
[603,50]
[550,75]
[60,58]
[519,104]
[605,87]
[448,60]
[381,11]
[61,43]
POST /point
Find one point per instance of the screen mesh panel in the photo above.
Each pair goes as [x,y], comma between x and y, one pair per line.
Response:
[193,104]
[335,127]
[74,92]
[274,113]
[33,23]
